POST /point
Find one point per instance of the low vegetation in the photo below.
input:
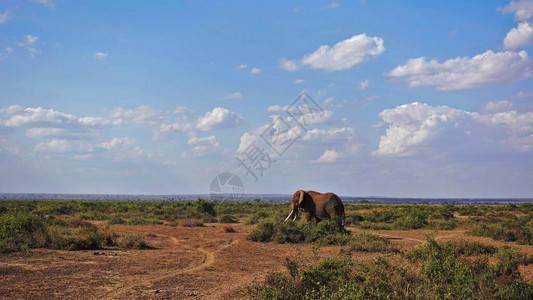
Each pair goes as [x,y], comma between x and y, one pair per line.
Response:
[430,271]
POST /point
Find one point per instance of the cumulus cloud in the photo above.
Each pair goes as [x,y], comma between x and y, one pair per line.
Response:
[201,146]
[141,115]
[43,123]
[242,67]
[333,136]
[100,56]
[255,71]
[342,56]
[298,81]
[15,116]
[61,146]
[497,106]
[523,9]
[328,156]
[5,16]
[288,65]
[421,128]
[120,149]
[519,36]
[218,118]
[489,68]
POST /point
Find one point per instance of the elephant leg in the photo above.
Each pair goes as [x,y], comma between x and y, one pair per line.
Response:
[308,217]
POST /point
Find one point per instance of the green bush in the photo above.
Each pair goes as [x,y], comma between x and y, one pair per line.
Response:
[86,237]
[116,220]
[436,271]
[20,231]
[227,219]
[370,243]
[296,232]
[132,241]
[256,217]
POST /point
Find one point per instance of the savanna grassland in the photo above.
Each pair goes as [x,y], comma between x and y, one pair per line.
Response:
[208,250]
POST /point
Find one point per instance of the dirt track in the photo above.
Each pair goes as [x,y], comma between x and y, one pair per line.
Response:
[187,263]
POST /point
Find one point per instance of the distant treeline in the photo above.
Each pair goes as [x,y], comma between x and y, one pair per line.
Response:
[250,198]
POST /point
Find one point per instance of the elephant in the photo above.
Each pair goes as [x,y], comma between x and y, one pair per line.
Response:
[317,207]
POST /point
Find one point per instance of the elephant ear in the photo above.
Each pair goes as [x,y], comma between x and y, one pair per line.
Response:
[301,198]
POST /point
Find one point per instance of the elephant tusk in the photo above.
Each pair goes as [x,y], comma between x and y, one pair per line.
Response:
[290,214]
[295,215]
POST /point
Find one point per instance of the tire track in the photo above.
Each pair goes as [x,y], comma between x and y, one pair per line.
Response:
[208,260]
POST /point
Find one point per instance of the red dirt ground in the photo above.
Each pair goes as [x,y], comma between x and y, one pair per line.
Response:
[187,263]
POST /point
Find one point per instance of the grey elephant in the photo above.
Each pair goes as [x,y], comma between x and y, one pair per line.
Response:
[317,207]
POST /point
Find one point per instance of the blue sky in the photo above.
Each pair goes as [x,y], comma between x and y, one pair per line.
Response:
[415,99]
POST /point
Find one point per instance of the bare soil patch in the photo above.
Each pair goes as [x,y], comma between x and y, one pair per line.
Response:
[186,263]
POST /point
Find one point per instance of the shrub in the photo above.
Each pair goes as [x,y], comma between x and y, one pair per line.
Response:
[132,241]
[20,231]
[116,220]
[80,238]
[437,271]
[256,217]
[206,207]
[137,220]
[227,219]
[370,243]
[263,232]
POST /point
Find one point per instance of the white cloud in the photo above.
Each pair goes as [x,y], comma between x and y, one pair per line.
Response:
[100,56]
[121,149]
[15,116]
[47,3]
[328,156]
[333,5]
[142,115]
[288,65]
[298,81]
[334,136]
[342,56]
[497,106]
[181,110]
[232,96]
[489,68]
[218,118]
[93,121]
[363,85]
[242,67]
[5,16]
[8,50]
[201,146]
[246,140]
[420,128]
[255,71]
[323,117]
[27,43]
[519,36]
[277,108]
[48,123]
[47,132]
[523,9]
